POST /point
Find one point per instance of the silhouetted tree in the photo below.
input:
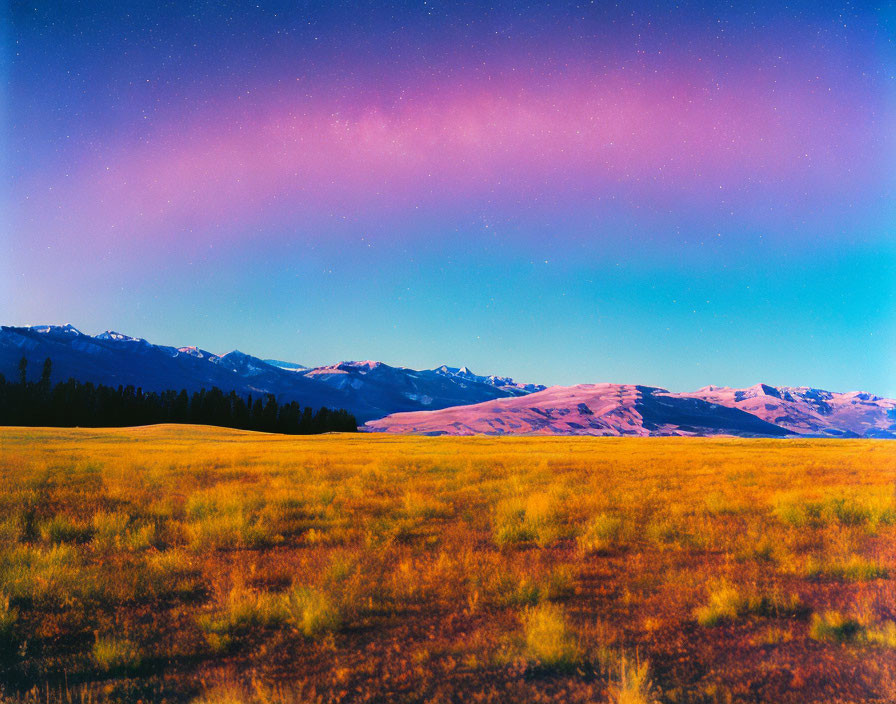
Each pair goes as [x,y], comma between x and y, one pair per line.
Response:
[45,373]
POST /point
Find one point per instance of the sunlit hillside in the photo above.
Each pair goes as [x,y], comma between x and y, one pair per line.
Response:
[180,563]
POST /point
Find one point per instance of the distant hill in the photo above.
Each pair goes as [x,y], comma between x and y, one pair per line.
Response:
[809,411]
[621,409]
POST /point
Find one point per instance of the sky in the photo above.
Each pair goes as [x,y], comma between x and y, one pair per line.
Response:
[673,194]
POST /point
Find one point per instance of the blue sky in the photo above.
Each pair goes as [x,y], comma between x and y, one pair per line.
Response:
[674,196]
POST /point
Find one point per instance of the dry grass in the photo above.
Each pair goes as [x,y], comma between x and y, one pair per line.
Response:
[633,684]
[549,641]
[177,564]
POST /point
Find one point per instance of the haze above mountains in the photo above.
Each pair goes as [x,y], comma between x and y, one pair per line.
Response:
[452,400]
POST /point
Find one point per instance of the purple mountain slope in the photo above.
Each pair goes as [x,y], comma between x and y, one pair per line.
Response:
[619,409]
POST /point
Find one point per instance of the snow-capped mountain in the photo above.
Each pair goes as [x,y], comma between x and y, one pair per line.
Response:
[115,359]
[366,389]
[619,409]
[504,383]
[386,387]
[198,353]
[117,336]
[808,411]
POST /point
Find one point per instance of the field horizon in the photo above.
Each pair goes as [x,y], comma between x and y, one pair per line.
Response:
[198,564]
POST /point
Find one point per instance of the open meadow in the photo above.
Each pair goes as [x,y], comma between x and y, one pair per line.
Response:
[197,564]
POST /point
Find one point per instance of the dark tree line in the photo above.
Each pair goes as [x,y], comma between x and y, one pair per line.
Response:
[73,403]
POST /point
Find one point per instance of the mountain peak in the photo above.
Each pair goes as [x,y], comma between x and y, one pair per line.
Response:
[710,388]
[764,390]
[366,364]
[66,329]
[118,337]
[194,351]
[505,383]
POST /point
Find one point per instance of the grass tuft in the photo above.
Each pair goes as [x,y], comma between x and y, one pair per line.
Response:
[538,518]
[854,568]
[113,654]
[549,640]
[727,603]
[834,626]
[601,534]
[632,684]
[62,529]
[311,612]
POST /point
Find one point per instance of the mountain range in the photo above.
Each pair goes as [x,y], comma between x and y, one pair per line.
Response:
[367,389]
[625,409]
[451,400]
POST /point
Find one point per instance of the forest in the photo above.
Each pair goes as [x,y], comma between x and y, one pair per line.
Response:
[75,403]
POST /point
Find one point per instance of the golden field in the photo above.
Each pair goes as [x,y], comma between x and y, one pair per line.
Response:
[195,564]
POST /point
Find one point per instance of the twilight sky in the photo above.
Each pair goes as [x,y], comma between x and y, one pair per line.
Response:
[670,194]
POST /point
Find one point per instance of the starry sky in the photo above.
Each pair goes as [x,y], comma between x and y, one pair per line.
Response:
[673,194]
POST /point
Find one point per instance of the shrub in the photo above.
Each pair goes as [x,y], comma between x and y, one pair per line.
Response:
[549,641]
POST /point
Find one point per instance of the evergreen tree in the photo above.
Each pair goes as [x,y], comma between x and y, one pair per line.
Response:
[45,374]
